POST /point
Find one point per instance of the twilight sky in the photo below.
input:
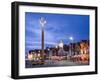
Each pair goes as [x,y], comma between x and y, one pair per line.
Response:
[58,27]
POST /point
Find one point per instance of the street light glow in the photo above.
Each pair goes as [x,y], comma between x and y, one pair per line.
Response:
[56,46]
[61,44]
[48,49]
[71,38]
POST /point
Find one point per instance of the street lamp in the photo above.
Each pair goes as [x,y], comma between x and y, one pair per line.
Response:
[71,39]
[42,23]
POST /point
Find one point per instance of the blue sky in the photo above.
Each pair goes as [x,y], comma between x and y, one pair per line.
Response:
[58,27]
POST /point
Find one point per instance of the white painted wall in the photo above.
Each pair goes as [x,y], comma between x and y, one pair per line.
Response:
[5,40]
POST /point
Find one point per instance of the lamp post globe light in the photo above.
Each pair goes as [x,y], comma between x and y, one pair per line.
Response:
[71,40]
[42,22]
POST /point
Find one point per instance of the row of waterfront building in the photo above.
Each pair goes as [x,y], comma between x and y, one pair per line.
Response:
[62,49]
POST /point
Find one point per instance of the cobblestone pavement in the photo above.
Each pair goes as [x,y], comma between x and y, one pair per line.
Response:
[56,63]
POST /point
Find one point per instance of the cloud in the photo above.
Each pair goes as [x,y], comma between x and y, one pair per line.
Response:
[33,47]
[39,42]
[58,27]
